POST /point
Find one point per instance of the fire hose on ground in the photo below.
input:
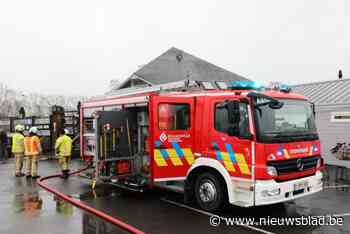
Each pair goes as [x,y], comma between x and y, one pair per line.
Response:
[83,206]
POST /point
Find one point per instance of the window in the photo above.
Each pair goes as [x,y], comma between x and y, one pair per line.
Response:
[222,123]
[340,117]
[112,108]
[173,116]
[294,121]
[294,116]
[88,112]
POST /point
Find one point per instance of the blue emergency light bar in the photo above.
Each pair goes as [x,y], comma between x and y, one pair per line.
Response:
[244,85]
[278,86]
[240,85]
[285,88]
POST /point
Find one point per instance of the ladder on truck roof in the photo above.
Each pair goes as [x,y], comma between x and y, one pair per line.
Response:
[178,85]
[127,92]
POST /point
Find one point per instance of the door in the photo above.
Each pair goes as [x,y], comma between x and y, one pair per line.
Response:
[173,124]
[233,149]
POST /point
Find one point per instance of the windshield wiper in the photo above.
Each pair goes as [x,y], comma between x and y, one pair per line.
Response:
[307,136]
[281,137]
[289,137]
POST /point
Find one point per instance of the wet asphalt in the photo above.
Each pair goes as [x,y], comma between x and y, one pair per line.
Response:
[26,208]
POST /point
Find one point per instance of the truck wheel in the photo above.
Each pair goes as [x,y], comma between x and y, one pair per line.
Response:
[209,192]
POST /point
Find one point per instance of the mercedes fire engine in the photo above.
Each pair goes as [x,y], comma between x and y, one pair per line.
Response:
[215,142]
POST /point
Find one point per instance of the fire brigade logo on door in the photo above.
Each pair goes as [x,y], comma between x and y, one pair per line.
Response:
[163,137]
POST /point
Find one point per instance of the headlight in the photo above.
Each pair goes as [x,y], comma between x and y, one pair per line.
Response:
[271,171]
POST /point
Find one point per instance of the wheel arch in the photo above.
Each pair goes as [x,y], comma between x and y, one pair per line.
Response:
[207,165]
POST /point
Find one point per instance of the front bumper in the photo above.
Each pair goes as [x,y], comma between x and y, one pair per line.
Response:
[286,189]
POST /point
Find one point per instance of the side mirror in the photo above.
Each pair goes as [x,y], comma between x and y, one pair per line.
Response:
[234,117]
[313,109]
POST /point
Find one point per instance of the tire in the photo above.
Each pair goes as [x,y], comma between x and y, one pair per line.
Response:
[210,192]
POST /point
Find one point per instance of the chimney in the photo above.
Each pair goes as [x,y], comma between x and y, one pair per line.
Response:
[340,74]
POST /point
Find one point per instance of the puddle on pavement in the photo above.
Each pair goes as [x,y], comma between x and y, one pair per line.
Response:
[29,202]
[93,225]
[42,209]
[36,211]
[90,223]
[63,207]
[99,192]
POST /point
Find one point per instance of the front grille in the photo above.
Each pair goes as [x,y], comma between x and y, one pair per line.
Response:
[291,165]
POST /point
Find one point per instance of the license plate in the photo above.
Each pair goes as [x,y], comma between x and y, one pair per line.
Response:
[301,185]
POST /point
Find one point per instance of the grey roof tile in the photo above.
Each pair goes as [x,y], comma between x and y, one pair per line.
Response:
[326,93]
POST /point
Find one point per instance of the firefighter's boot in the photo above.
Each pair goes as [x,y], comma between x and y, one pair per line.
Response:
[65,174]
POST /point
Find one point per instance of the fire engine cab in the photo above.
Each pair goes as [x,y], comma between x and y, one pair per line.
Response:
[216,142]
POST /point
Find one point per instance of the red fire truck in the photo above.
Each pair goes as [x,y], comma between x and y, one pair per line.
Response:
[216,142]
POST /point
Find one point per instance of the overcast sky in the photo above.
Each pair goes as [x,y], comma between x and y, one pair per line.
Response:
[77,46]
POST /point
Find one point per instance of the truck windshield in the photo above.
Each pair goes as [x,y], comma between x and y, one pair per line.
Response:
[294,121]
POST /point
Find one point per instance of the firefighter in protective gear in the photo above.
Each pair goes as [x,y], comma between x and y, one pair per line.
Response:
[18,149]
[63,148]
[32,147]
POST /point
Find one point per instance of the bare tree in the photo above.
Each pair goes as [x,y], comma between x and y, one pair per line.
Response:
[33,103]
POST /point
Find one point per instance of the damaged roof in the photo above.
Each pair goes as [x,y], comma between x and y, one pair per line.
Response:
[176,65]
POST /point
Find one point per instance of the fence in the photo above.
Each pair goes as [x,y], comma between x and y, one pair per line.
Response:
[49,127]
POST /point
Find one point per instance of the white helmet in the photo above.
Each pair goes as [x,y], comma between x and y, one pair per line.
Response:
[66,131]
[19,128]
[33,130]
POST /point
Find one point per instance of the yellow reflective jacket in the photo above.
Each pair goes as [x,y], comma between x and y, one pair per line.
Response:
[64,146]
[17,143]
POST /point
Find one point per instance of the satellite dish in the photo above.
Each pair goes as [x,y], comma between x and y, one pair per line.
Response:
[179,57]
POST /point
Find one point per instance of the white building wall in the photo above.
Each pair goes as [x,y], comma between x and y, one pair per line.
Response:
[332,132]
